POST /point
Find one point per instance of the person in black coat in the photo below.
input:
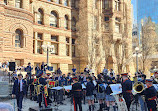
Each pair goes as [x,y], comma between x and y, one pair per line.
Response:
[100,92]
[77,94]
[127,90]
[19,90]
[150,95]
[109,98]
[41,82]
[89,93]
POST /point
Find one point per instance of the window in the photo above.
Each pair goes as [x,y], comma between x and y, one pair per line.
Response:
[54,19]
[67,50]
[18,38]
[57,1]
[106,4]
[117,5]
[33,46]
[73,48]
[73,41]
[66,22]
[39,47]
[54,38]
[67,40]
[117,27]
[18,3]
[67,46]
[54,42]
[39,36]
[73,28]
[66,2]
[40,16]
[5,2]
[73,4]
[39,43]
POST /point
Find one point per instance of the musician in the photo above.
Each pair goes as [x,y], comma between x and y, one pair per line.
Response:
[81,77]
[19,90]
[31,83]
[127,90]
[42,82]
[100,93]
[28,69]
[143,78]
[77,94]
[27,84]
[86,70]
[43,67]
[112,77]
[89,93]
[109,98]
[118,79]
[69,79]
[37,68]
[150,95]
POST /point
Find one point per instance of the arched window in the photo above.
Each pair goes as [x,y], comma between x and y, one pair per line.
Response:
[66,24]
[66,2]
[54,19]
[40,16]
[5,2]
[18,38]
[18,3]
[73,28]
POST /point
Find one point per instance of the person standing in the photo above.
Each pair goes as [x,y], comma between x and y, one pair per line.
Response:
[89,93]
[105,71]
[127,90]
[19,90]
[150,95]
[77,94]
[28,69]
[37,68]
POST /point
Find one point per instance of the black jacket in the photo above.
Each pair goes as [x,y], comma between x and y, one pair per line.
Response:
[89,89]
[77,90]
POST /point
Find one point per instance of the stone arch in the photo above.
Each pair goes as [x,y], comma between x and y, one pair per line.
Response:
[18,26]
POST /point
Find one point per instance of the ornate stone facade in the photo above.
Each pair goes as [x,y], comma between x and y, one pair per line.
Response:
[93,32]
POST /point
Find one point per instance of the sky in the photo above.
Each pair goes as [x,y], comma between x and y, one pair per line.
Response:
[134,3]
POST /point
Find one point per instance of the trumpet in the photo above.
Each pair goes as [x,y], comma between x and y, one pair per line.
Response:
[138,87]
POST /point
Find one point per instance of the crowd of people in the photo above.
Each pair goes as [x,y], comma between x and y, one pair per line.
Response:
[93,91]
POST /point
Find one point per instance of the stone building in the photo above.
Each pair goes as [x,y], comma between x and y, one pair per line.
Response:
[93,32]
[135,37]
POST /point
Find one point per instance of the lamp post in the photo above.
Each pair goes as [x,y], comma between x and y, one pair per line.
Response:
[48,48]
[137,54]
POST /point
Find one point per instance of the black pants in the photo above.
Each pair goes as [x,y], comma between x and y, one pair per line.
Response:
[151,105]
[77,102]
[19,99]
[128,99]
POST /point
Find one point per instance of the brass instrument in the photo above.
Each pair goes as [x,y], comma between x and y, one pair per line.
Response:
[138,87]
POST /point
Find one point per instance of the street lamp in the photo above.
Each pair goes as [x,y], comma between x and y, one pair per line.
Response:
[137,54]
[48,48]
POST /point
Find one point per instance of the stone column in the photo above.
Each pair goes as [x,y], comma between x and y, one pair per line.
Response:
[35,43]
[35,19]
[46,19]
[11,3]
[25,4]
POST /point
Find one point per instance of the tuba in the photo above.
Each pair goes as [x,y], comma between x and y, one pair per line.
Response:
[138,87]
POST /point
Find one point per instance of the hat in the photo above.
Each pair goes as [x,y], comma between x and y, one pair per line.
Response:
[48,74]
[74,78]
[148,80]
[156,72]
[124,74]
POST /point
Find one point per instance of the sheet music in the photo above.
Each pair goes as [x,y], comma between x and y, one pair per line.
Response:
[156,87]
[116,89]
[57,88]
